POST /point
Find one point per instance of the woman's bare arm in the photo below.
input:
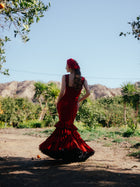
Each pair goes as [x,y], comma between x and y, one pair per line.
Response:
[62,91]
[87,91]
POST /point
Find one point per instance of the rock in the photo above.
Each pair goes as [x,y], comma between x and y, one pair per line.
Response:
[25,89]
[98,91]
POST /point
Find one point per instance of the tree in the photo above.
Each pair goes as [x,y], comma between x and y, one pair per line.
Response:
[136,100]
[53,92]
[135,26]
[18,15]
[131,95]
[127,91]
[45,93]
[16,110]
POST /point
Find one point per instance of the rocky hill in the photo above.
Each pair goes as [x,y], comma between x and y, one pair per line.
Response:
[25,89]
[98,91]
[20,89]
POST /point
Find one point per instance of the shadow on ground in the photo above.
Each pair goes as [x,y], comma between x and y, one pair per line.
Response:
[52,173]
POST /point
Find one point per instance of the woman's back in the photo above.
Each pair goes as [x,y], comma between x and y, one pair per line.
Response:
[70,80]
[71,92]
[67,106]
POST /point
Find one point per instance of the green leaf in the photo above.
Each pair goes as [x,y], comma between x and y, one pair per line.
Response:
[121,34]
[21,14]
[37,19]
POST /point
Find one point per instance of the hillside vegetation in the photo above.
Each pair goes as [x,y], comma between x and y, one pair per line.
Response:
[18,110]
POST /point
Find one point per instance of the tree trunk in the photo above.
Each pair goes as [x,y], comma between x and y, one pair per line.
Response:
[40,103]
[42,115]
[43,112]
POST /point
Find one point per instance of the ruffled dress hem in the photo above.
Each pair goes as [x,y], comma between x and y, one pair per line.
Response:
[65,143]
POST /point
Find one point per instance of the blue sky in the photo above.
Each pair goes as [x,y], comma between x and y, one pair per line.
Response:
[87,31]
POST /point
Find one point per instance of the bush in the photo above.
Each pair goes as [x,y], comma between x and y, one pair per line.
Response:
[31,124]
[18,110]
[49,121]
[129,132]
[86,114]
[4,125]
[106,112]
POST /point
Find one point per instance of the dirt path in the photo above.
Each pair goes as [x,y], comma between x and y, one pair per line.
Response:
[19,165]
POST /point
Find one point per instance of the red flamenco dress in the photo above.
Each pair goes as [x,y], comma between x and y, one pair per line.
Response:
[65,142]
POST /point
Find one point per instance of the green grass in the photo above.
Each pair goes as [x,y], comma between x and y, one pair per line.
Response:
[30,133]
[135,154]
[107,144]
[48,131]
[116,134]
[136,145]
[107,135]
[4,125]
[31,124]
[137,133]
[94,134]
[118,140]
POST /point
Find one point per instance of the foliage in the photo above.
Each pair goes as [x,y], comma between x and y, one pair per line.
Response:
[135,154]
[2,55]
[131,96]
[18,15]
[135,25]
[85,113]
[31,124]
[112,108]
[50,120]
[17,110]
[101,112]
[46,95]
[128,91]
[106,112]
[4,125]
[129,132]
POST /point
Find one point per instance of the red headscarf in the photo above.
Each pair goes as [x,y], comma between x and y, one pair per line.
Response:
[72,64]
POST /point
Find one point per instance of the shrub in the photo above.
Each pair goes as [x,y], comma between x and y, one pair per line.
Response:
[106,112]
[17,110]
[49,121]
[129,132]
[31,124]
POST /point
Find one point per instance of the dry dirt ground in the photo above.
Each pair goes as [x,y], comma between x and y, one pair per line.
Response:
[19,165]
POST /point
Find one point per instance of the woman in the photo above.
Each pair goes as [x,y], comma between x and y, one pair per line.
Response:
[65,142]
